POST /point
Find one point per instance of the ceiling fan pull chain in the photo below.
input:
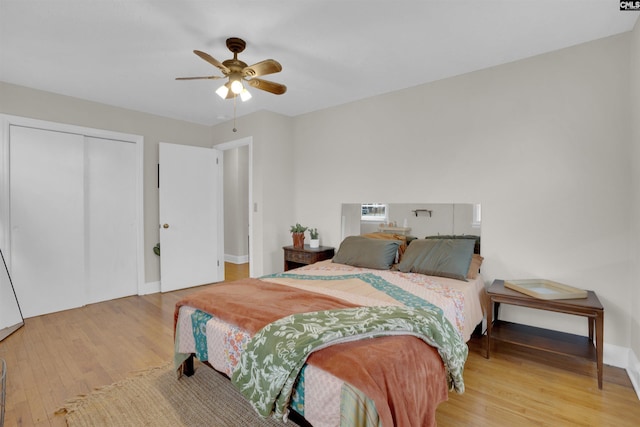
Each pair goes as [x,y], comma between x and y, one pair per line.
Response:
[234,114]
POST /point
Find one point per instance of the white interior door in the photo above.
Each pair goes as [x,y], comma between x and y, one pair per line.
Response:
[47,219]
[191,234]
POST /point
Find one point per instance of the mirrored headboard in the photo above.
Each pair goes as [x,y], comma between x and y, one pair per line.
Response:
[412,219]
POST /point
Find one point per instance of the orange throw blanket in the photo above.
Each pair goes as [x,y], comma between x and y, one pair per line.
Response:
[404,376]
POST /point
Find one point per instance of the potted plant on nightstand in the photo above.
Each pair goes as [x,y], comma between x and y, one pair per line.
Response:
[315,241]
[297,231]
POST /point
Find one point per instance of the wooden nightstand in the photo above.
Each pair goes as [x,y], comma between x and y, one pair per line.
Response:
[294,257]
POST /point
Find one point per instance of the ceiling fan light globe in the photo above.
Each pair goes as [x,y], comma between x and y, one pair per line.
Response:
[245,95]
[222,91]
[236,87]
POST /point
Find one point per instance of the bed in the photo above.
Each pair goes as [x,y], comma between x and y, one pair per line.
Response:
[366,339]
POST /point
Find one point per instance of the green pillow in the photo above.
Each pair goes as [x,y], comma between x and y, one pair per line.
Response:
[364,252]
[460,236]
[438,257]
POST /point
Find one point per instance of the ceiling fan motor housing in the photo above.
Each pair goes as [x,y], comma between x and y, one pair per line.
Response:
[236,45]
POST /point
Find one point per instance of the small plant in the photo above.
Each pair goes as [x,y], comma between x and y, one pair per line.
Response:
[313,232]
[298,228]
[297,231]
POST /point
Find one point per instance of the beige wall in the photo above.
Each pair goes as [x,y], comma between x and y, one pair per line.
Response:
[542,144]
[25,102]
[634,284]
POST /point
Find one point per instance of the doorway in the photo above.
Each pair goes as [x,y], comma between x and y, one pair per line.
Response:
[238,199]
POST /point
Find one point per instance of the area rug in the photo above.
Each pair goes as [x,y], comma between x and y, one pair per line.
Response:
[156,397]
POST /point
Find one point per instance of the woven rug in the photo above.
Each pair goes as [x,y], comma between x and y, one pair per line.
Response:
[156,397]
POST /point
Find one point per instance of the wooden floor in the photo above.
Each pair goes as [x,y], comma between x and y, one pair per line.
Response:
[62,355]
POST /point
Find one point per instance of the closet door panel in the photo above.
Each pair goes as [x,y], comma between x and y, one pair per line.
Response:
[110,219]
[47,219]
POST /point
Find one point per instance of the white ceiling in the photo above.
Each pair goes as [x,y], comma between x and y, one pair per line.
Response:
[127,53]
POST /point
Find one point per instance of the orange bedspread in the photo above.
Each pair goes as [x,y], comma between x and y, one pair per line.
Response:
[404,376]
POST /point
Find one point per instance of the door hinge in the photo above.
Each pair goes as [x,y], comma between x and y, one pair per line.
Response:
[218,263]
[216,160]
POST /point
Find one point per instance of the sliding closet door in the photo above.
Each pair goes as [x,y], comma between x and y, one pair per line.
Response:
[47,219]
[74,220]
[110,219]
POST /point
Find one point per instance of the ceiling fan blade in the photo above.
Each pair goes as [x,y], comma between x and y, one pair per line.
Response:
[211,60]
[268,66]
[196,78]
[275,88]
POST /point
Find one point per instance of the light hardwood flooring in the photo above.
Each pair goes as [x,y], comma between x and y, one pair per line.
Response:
[59,356]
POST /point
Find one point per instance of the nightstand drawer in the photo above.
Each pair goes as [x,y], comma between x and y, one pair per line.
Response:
[300,257]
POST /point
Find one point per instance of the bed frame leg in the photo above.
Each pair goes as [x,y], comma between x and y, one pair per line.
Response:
[187,366]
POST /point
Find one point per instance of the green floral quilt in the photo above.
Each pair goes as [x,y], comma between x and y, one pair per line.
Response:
[270,364]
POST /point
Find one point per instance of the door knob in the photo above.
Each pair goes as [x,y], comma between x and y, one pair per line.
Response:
[165,226]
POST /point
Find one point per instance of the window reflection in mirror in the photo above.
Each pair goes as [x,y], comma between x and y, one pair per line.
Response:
[374,212]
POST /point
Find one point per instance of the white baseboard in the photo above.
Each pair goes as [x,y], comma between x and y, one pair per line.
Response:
[625,358]
[633,370]
[236,259]
[615,355]
[149,288]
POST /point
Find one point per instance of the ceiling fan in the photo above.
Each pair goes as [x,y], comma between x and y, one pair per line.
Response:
[238,73]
